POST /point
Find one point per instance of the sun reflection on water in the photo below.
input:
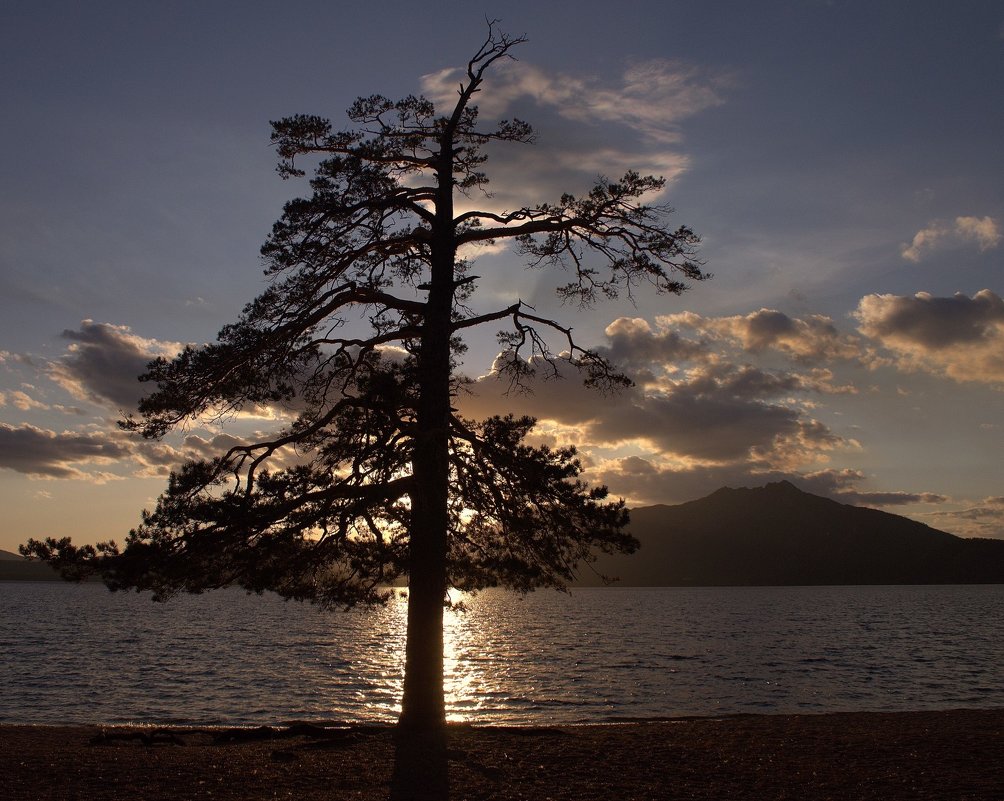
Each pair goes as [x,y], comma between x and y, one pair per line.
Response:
[463,682]
[380,657]
[464,650]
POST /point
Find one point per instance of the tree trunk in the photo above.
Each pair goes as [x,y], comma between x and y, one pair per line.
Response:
[423,704]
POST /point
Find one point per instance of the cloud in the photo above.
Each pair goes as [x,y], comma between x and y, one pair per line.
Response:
[20,359]
[21,400]
[842,486]
[628,122]
[984,518]
[690,402]
[160,458]
[958,337]
[563,399]
[689,422]
[689,336]
[980,231]
[811,340]
[103,363]
[716,401]
[24,402]
[43,453]
[645,481]
[46,454]
[885,499]
[924,240]
[651,96]
[634,344]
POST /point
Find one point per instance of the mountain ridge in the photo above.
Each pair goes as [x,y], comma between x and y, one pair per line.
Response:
[14,567]
[762,536]
[780,535]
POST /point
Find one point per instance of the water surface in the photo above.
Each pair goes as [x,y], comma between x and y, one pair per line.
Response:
[81,654]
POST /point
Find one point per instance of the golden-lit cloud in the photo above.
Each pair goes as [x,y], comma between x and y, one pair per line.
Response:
[717,401]
[21,400]
[982,232]
[692,402]
[812,339]
[959,337]
[741,399]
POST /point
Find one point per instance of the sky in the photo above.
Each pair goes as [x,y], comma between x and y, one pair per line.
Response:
[841,161]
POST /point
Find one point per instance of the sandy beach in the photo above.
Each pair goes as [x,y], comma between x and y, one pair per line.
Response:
[891,756]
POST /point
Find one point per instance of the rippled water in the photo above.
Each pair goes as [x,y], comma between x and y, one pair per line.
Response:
[81,654]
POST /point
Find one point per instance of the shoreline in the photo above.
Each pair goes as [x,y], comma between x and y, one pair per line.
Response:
[374,725]
[840,755]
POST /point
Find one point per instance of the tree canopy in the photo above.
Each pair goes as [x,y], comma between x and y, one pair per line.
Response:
[378,477]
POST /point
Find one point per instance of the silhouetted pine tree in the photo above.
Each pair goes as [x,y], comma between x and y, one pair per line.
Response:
[357,333]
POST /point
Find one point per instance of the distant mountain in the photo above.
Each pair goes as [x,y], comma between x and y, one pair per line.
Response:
[14,567]
[779,535]
[772,535]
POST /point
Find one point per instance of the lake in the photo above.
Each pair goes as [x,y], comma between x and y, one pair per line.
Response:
[81,654]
